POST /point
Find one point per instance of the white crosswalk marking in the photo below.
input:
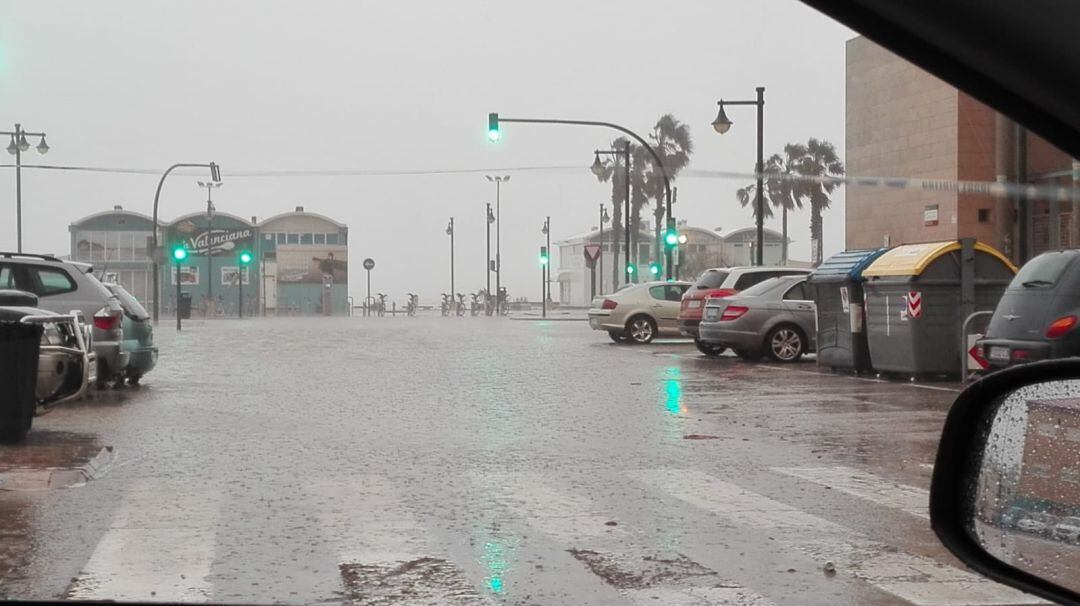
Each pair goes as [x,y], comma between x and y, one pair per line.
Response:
[916,579]
[574,520]
[159,547]
[865,486]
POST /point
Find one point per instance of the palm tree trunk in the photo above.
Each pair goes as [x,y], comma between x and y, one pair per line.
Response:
[815,234]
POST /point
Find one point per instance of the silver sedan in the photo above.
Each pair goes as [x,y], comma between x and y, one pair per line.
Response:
[774,317]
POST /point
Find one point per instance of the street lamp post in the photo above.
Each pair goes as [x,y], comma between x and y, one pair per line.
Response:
[604,218]
[157,256]
[487,266]
[597,168]
[721,124]
[545,267]
[209,186]
[450,232]
[494,117]
[498,181]
[18,145]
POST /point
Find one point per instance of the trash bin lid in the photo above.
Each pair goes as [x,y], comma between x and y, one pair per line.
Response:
[913,259]
[847,264]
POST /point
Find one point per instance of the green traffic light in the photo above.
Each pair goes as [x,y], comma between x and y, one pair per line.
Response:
[671,238]
[543,260]
[245,257]
[179,253]
[493,126]
[630,269]
[654,268]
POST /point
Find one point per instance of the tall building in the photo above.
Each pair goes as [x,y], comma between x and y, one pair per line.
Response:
[904,122]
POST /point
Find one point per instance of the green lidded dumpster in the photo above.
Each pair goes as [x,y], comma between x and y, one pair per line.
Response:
[185,306]
[916,297]
[837,289]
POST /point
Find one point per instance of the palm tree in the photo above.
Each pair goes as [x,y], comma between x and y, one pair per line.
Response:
[613,171]
[672,141]
[820,162]
[779,189]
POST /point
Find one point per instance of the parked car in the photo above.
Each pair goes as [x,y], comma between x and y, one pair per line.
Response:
[1035,523]
[775,317]
[138,335]
[1068,530]
[66,361]
[639,312]
[721,282]
[63,286]
[1036,317]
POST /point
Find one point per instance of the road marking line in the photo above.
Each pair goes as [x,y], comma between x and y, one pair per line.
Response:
[919,580]
[864,379]
[866,486]
[159,547]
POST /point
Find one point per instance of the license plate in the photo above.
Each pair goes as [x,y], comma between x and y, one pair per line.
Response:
[999,353]
[693,304]
[594,323]
[711,313]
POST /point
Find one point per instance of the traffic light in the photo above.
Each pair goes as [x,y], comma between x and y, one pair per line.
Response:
[630,269]
[493,126]
[671,236]
[245,258]
[654,268]
[543,255]
[179,253]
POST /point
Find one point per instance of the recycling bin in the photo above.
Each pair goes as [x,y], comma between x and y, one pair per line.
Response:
[837,289]
[20,345]
[185,306]
[914,308]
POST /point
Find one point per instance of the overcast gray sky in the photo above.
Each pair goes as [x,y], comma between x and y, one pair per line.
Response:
[396,86]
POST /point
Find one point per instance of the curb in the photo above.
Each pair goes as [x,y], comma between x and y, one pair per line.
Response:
[58,477]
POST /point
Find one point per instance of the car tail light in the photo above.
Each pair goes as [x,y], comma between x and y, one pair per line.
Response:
[107,319]
[720,293]
[733,312]
[1060,326]
[1020,355]
[608,304]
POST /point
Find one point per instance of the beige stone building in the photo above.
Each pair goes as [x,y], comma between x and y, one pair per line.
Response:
[904,122]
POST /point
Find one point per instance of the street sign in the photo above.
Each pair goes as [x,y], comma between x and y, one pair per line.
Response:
[369,264]
[592,252]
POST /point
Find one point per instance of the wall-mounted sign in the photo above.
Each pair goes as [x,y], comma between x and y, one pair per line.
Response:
[930,215]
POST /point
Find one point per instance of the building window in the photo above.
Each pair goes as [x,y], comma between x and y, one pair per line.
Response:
[306,239]
[293,238]
[320,238]
[280,238]
[984,215]
[331,238]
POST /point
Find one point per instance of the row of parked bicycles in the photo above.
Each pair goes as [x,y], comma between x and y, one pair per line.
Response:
[481,303]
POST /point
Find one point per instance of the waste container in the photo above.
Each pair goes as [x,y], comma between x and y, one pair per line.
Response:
[836,287]
[915,307]
[19,349]
[185,306]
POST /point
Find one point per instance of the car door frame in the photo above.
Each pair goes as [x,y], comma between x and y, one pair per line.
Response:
[800,310]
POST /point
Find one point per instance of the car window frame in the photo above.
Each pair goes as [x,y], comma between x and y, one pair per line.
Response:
[33,274]
[800,284]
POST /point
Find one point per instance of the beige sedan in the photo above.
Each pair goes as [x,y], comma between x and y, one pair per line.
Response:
[639,313]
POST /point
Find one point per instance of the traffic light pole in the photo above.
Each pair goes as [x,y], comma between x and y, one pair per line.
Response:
[547,266]
[240,283]
[177,296]
[215,175]
[622,129]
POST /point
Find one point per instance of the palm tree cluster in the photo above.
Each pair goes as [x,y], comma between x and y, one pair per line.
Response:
[782,188]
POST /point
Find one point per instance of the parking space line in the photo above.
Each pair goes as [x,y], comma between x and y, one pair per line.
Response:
[864,379]
[919,580]
[160,547]
[867,486]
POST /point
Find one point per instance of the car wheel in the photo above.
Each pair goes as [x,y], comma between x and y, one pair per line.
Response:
[133,380]
[617,336]
[641,329]
[708,349]
[785,343]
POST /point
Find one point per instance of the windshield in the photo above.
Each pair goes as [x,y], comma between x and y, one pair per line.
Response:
[325,399]
[714,278]
[1043,271]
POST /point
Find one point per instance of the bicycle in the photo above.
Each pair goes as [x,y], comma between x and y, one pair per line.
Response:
[460,304]
[445,305]
[414,302]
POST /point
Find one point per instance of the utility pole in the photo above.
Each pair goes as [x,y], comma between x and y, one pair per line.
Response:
[603,219]
[18,145]
[210,186]
[498,181]
[450,232]
[487,267]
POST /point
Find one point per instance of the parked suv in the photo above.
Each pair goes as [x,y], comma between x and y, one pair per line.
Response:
[63,286]
[1037,317]
[722,282]
[138,334]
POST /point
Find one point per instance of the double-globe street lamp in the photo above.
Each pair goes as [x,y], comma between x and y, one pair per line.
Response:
[16,147]
[597,169]
[209,186]
[722,124]
[604,218]
[488,268]
[450,232]
[498,181]
[494,120]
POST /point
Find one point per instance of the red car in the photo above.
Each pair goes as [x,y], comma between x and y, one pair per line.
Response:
[721,282]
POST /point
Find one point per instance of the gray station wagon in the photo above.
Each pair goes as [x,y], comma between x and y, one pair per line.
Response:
[1037,316]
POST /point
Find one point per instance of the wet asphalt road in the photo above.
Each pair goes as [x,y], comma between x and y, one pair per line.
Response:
[478,461]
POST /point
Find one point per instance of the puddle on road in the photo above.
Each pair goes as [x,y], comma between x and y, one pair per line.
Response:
[53,459]
[421,581]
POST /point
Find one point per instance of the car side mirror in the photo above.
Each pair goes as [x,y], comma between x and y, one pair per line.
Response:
[1005,494]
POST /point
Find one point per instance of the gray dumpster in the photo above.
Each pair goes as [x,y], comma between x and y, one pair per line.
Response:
[916,301]
[19,348]
[837,289]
